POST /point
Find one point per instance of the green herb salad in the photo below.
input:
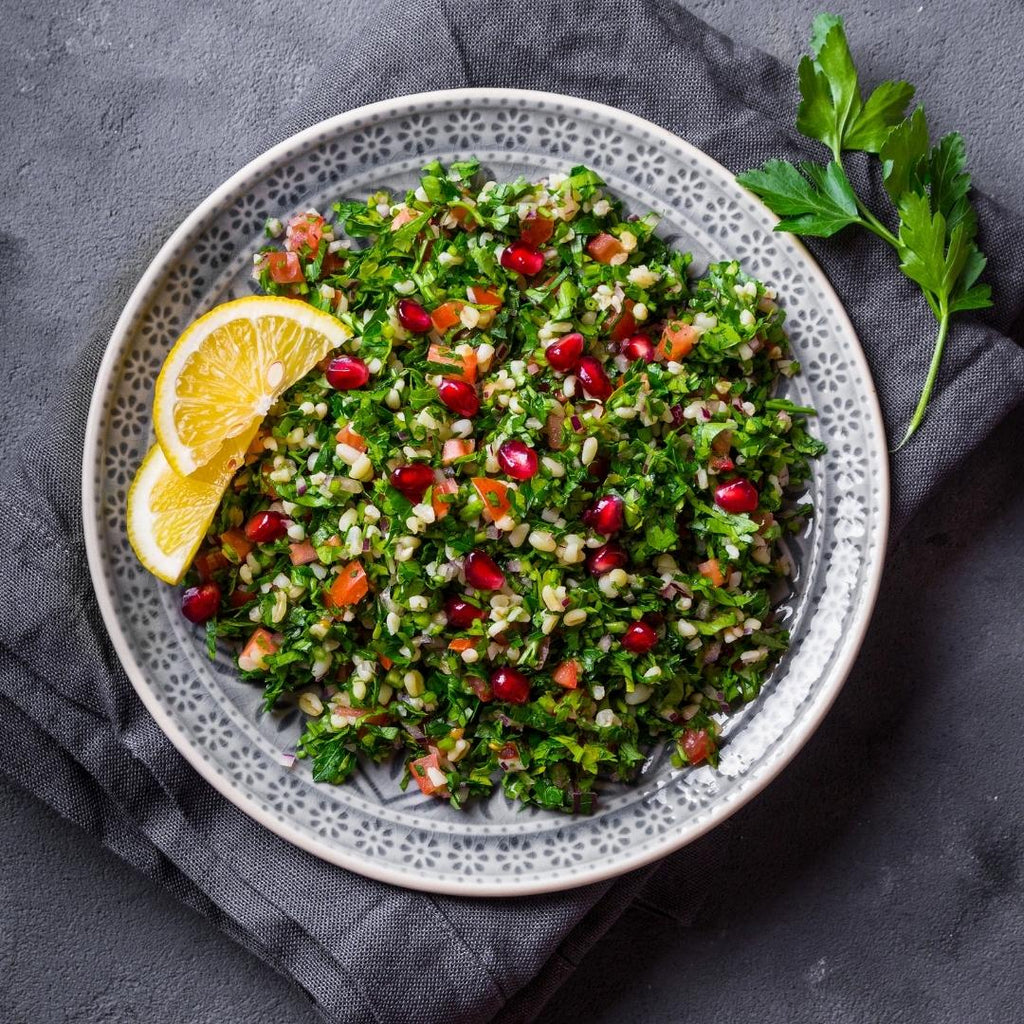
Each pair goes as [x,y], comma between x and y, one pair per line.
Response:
[527,523]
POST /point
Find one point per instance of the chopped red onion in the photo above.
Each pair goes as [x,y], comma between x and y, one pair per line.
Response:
[285,758]
[713,652]
[577,423]
[604,644]
[300,487]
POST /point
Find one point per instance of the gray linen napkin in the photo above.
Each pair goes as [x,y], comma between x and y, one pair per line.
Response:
[76,734]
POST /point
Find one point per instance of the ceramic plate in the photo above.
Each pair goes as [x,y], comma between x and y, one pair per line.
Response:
[369,825]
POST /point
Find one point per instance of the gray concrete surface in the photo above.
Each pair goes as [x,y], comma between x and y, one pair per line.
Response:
[915,779]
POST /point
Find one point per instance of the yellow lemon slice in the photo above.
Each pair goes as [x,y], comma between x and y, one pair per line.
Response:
[229,367]
[169,514]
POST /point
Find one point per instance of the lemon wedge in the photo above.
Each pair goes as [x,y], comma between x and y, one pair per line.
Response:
[229,367]
[169,514]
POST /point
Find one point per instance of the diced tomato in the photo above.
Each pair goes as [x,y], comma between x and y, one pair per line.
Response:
[302,553]
[604,247]
[440,506]
[304,229]
[625,325]
[240,597]
[535,229]
[349,586]
[238,542]
[567,674]
[481,687]
[422,768]
[455,449]
[712,571]
[386,662]
[721,464]
[353,714]
[463,217]
[697,745]
[455,364]
[482,296]
[403,217]
[446,315]
[460,644]
[348,436]
[210,562]
[256,651]
[284,267]
[677,341]
[494,495]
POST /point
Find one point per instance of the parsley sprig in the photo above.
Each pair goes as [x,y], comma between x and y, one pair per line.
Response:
[928,185]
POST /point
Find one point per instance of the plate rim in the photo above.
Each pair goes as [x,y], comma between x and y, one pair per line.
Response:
[510,886]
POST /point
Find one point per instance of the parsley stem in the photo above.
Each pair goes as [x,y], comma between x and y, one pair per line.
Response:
[933,373]
[872,223]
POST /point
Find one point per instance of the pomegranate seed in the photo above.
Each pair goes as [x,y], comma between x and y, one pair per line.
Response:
[737,495]
[638,347]
[606,515]
[461,614]
[605,558]
[459,396]
[564,355]
[511,685]
[518,460]
[412,480]
[599,468]
[593,378]
[522,258]
[482,572]
[413,317]
[347,372]
[266,527]
[639,638]
[200,603]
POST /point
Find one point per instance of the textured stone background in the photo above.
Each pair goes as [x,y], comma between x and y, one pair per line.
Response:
[897,893]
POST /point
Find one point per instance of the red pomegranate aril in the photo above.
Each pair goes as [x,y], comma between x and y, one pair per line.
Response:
[522,258]
[564,355]
[518,460]
[347,372]
[266,527]
[461,614]
[412,480]
[482,572]
[459,396]
[594,379]
[413,317]
[200,603]
[509,684]
[599,468]
[639,638]
[638,347]
[605,558]
[737,496]
[606,515]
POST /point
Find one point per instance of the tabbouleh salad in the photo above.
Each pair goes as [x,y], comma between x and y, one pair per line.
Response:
[526,524]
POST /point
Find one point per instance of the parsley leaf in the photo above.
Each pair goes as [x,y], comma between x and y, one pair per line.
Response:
[820,204]
[831,109]
[902,154]
[928,185]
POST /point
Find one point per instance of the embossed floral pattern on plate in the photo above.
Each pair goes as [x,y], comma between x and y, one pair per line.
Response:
[369,825]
